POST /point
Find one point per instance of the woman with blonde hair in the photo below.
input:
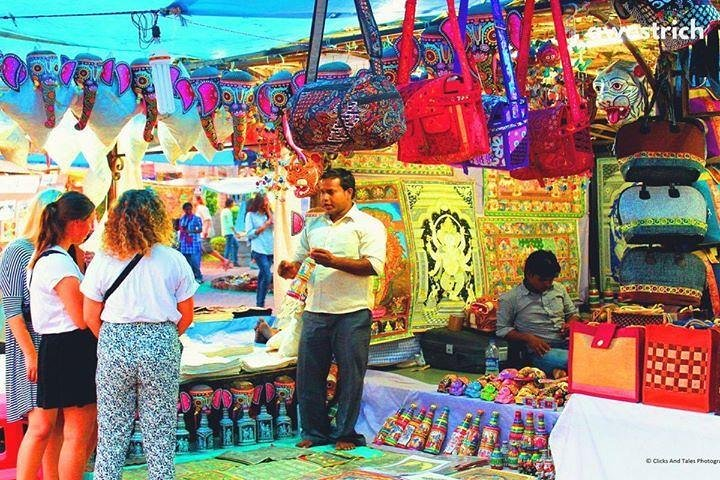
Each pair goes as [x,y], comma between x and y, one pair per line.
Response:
[21,341]
[66,356]
[138,327]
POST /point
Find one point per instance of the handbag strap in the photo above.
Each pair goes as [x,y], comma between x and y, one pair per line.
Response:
[43,254]
[368,27]
[123,275]
[462,26]
[561,36]
[406,48]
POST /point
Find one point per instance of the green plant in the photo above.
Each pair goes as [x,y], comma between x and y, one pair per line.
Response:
[211,201]
[235,210]
[218,243]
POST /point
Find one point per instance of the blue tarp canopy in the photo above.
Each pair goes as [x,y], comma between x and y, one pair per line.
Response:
[222,159]
[204,29]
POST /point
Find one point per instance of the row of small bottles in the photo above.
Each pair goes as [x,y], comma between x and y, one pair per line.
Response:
[245,431]
[525,450]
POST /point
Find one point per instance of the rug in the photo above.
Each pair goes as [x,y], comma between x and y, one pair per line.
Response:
[503,196]
[506,242]
[448,264]
[392,290]
[385,162]
[612,246]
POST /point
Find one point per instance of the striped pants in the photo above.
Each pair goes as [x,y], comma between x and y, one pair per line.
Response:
[138,367]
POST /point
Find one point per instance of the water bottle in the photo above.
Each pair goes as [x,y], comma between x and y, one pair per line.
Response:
[492,358]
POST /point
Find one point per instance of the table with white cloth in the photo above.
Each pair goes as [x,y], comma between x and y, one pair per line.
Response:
[600,439]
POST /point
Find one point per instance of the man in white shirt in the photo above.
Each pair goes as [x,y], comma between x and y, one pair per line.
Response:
[208,231]
[349,248]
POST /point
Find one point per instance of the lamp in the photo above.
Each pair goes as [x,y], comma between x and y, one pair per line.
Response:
[160,68]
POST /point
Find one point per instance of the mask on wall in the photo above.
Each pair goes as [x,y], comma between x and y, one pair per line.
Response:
[238,96]
[622,91]
[206,83]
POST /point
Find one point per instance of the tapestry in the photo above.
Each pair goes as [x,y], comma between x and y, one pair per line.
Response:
[385,162]
[504,196]
[447,272]
[612,245]
[506,243]
[392,290]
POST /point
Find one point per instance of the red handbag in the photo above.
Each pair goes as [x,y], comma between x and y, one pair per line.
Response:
[681,368]
[560,142]
[444,116]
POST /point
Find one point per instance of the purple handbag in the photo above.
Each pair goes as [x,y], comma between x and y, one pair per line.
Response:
[507,115]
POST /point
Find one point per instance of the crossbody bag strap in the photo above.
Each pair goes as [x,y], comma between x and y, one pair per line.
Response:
[43,254]
[316,37]
[123,275]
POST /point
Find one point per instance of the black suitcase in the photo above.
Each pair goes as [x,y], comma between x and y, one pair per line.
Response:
[462,351]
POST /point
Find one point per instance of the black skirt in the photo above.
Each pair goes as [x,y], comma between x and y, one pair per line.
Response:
[66,369]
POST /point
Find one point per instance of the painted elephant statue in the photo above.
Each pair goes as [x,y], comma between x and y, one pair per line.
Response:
[622,91]
[206,83]
[237,93]
[106,104]
[31,95]
[271,99]
[144,89]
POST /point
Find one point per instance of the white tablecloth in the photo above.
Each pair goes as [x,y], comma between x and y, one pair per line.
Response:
[601,439]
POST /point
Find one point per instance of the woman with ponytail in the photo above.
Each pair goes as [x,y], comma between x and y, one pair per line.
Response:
[138,329]
[67,354]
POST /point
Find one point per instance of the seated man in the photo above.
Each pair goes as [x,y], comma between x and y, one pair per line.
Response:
[538,312]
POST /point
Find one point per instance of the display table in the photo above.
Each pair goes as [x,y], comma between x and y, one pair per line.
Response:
[385,392]
[596,439]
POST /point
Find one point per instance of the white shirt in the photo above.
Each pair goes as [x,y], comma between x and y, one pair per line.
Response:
[151,291]
[48,311]
[356,235]
[203,212]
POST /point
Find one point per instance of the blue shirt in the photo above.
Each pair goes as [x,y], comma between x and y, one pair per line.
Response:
[191,227]
[262,243]
[542,315]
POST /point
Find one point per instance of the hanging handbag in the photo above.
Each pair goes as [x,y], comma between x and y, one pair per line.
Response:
[445,120]
[650,276]
[605,361]
[364,112]
[559,136]
[709,187]
[664,215]
[507,115]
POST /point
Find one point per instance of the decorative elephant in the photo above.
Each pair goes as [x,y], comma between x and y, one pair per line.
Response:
[144,89]
[206,83]
[238,96]
[30,93]
[271,99]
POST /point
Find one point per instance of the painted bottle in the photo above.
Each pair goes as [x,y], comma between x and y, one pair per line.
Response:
[438,432]
[283,424]
[490,436]
[226,429]
[397,430]
[418,438]
[247,432]
[411,428]
[458,436]
[204,434]
[182,436]
[471,442]
[504,450]
[517,429]
[527,442]
[496,459]
[513,457]
[264,426]
[387,426]
[541,435]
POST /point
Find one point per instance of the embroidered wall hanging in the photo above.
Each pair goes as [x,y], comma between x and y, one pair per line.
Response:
[392,291]
[385,162]
[610,184]
[448,266]
[504,196]
[506,243]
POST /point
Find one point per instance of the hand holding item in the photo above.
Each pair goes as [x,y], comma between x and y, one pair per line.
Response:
[538,345]
[323,257]
[287,270]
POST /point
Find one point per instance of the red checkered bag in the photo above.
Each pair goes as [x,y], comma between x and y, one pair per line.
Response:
[681,368]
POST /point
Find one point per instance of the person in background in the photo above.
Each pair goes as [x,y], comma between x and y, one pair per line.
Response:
[138,328]
[208,231]
[227,227]
[21,341]
[349,247]
[538,313]
[259,228]
[190,227]
[67,354]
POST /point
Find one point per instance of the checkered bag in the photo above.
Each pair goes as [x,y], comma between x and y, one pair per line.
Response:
[681,368]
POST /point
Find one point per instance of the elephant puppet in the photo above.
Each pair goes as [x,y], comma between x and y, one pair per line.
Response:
[31,95]
[206,83]
[144,90]
[622,91]
[237,95]
[271,99]
[106,105]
